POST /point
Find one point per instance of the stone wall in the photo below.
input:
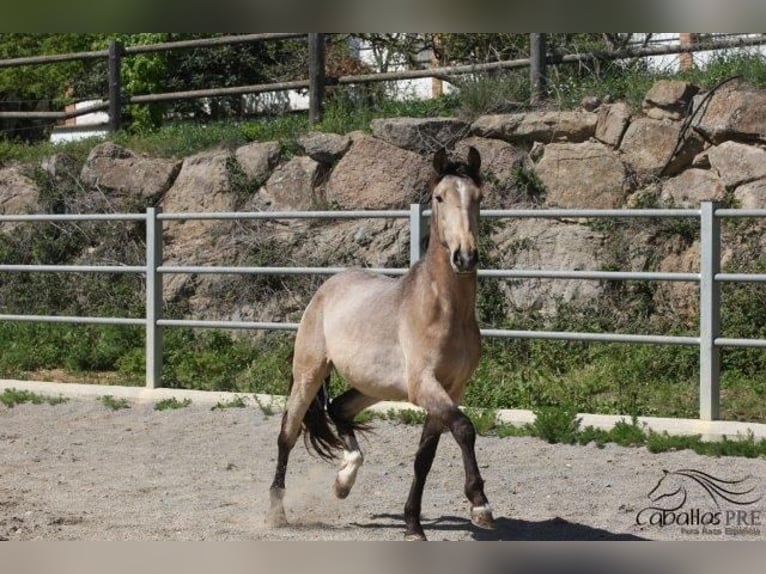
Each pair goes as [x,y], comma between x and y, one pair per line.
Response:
[683,147]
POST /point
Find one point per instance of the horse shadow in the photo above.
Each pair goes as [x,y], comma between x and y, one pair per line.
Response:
[506,529]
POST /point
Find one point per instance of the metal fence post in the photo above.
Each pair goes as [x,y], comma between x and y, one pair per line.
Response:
[418,232]
[710,309]
[153,299]
[115,85]
[316,77]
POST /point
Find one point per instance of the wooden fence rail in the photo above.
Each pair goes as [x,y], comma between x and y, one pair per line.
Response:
[317,80]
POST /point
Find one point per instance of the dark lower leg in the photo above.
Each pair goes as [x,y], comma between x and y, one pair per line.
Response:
[276,516]
[463,431]
[424,458]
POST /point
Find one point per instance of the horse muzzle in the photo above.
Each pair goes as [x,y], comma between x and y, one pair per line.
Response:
[465,261]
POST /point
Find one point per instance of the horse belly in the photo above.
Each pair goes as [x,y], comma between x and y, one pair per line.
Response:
[368,356]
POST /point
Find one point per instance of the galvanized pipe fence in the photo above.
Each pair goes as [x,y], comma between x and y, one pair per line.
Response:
[709,278]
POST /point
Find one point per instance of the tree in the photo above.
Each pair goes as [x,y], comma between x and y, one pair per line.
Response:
[41,87]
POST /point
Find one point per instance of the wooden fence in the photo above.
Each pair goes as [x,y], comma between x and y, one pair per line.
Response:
[317,80]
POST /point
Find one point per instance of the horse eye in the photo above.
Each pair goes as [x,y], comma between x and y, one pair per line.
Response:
[438,198]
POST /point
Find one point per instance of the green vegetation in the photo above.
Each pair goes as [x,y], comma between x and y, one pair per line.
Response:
[171,404]
[114,403]
[12,397]
[235,403]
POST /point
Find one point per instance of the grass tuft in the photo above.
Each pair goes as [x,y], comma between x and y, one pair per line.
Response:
[12,397]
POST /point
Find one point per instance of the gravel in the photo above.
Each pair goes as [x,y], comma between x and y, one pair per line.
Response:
[80,471]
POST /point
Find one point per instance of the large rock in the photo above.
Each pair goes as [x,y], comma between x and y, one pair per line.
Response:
[751,195]
[649,147]
[585,175]
[201,185]
[323,147]
[737,163]
[421,135]
[110,166]
[613,120]
[291,186]
[668,99]
[376,175]
[732,114]
[547,245]
[692,187]
[504,167]
[560,126]
[257,159]
[18,193]
[679,298]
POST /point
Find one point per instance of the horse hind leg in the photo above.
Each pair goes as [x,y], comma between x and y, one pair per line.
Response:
[303,390]
[342,411]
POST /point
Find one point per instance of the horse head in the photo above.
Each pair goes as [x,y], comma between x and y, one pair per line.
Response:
[455,202]
[669,485]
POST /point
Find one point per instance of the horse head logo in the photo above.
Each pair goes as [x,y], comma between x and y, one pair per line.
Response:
[671,489]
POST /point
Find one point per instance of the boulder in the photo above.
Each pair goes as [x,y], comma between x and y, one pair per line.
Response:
[526,128]
[60,166]
[324,148]
[18,193]
[732,114]
[503,166]
[649,145]
[421,135]
[691,187]
[376,175]
[291,186]
[547,244]
[679,298]
[257,159]
[737,163]
[584,175]
[668,99]
[612,121]
[201,185]
[113,167]
[751,195]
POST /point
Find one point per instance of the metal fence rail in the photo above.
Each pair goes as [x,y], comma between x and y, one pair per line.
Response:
[709,279]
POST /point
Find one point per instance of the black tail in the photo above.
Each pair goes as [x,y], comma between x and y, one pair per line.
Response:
[319,434]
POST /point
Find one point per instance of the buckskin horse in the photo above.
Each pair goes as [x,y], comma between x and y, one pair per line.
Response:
[411,338]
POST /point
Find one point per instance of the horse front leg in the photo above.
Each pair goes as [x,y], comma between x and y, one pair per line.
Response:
[464,433]
[424,458]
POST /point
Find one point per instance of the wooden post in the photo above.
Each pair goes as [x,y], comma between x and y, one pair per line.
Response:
[316,77]
[437,86]
[685,59]
[537,71]
[115,85]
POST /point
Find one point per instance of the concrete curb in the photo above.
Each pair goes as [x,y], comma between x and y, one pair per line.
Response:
[709,430]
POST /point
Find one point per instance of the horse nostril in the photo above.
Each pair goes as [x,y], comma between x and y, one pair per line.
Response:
[456,257]
[474,257]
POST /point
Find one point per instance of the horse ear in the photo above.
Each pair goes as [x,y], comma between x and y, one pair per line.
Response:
[440,161]
[474,162]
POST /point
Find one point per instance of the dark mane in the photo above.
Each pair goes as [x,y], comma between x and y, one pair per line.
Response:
[459,169]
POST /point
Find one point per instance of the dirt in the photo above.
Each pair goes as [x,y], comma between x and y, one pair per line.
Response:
[80,471]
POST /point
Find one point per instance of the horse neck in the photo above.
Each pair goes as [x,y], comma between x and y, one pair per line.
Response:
[457,292]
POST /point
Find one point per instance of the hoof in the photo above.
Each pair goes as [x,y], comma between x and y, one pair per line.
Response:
[415,537]
[481,516]
[277,518]
[340,490]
